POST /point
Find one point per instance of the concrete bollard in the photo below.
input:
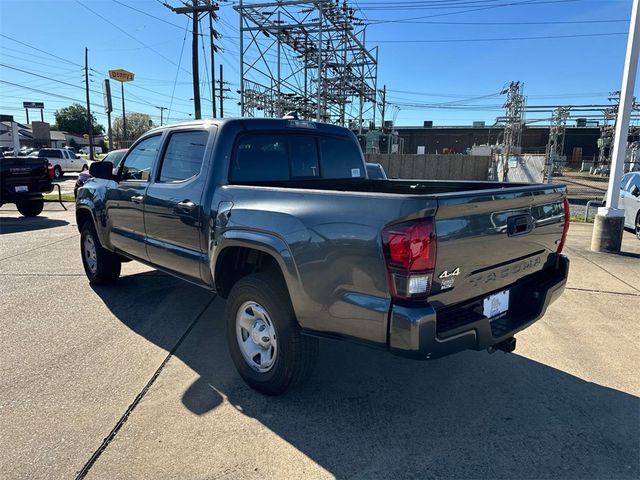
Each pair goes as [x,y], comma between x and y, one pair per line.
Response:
[607,234]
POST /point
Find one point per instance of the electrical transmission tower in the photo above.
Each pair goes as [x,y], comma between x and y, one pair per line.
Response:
[513,123]
[307,56]
[555,146]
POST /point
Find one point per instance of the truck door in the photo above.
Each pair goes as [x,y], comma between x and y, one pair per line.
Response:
[173,211]
[68,164]
[124,204]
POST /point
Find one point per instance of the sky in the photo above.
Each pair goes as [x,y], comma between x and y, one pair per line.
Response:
[441,60]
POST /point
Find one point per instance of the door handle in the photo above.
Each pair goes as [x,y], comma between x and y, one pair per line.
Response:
[137,199]
[186,205]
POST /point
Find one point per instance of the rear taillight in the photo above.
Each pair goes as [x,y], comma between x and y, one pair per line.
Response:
[410,253]
[49,168]
[565,228]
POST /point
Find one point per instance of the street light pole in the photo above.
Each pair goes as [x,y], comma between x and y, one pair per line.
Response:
[609,223]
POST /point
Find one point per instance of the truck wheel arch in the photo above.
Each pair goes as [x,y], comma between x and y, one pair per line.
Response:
[83,215]
[267,251]
[236,262]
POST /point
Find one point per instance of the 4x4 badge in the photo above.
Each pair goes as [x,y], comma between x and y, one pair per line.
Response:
[446,274]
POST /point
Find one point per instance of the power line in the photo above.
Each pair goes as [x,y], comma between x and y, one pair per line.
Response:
[524,2]
[126,33]
[173,91]
[567,22]
[148,14]
[40,50]
[504,39]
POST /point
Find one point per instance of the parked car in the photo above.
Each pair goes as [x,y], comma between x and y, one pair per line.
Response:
[375,171]
[63,160]
[630,201]
[114,156]
[86,150]
[279,218]
[23,180]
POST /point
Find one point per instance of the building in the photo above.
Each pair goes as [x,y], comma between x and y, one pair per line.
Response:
[461,139]
[57,139]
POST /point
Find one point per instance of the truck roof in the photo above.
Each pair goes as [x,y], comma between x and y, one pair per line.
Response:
[257,124]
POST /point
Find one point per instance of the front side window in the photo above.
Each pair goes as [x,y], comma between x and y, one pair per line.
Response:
[138,164]
[184,156]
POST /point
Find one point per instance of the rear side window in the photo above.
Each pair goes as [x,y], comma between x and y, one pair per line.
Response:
[340,158]
[50,153]
[183,156]
[273,158]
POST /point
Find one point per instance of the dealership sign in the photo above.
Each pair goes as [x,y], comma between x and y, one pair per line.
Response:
[121,75]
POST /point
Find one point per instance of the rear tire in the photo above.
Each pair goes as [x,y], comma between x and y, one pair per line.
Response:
[30,208]
[263,335]
[638,226]
[57,172]
[101,266]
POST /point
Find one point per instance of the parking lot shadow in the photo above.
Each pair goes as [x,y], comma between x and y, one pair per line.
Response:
[24,224]
[368,414]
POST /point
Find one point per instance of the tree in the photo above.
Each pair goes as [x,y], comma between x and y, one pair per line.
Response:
[74,119]
[73,143]
[137,124]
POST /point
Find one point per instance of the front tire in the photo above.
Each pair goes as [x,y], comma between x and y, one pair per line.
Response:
[638,226]
[101,266]
[263,335]
[30,208]
[57,172]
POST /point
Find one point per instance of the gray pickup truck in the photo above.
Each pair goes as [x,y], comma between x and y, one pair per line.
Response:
[279,218]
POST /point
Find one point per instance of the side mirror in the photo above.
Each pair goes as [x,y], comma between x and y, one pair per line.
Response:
[101,170]
[635,191]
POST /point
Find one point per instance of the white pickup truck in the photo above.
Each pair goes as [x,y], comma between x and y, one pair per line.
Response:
[63,160]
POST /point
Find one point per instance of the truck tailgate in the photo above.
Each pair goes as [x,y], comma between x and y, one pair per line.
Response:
[488,240]
[24,175]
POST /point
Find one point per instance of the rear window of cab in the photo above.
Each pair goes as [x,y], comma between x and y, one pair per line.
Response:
[272,158]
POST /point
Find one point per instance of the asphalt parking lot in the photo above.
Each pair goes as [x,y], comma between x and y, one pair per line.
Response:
[134,381]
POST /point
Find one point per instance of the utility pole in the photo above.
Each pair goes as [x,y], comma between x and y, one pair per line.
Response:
[609,223]
[162,109]
[194,10]
[86,84]
[213,63]
[384,104]
[194,64]
[221,93]
[124,117]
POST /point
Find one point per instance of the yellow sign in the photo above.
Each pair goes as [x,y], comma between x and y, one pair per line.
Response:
[121,75]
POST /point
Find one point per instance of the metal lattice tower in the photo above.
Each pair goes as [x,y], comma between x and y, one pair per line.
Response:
[514,117]
[307,56]
[513,122]
[555,146]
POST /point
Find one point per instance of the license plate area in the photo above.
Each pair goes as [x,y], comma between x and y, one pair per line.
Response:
[496,306]
[22,188]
